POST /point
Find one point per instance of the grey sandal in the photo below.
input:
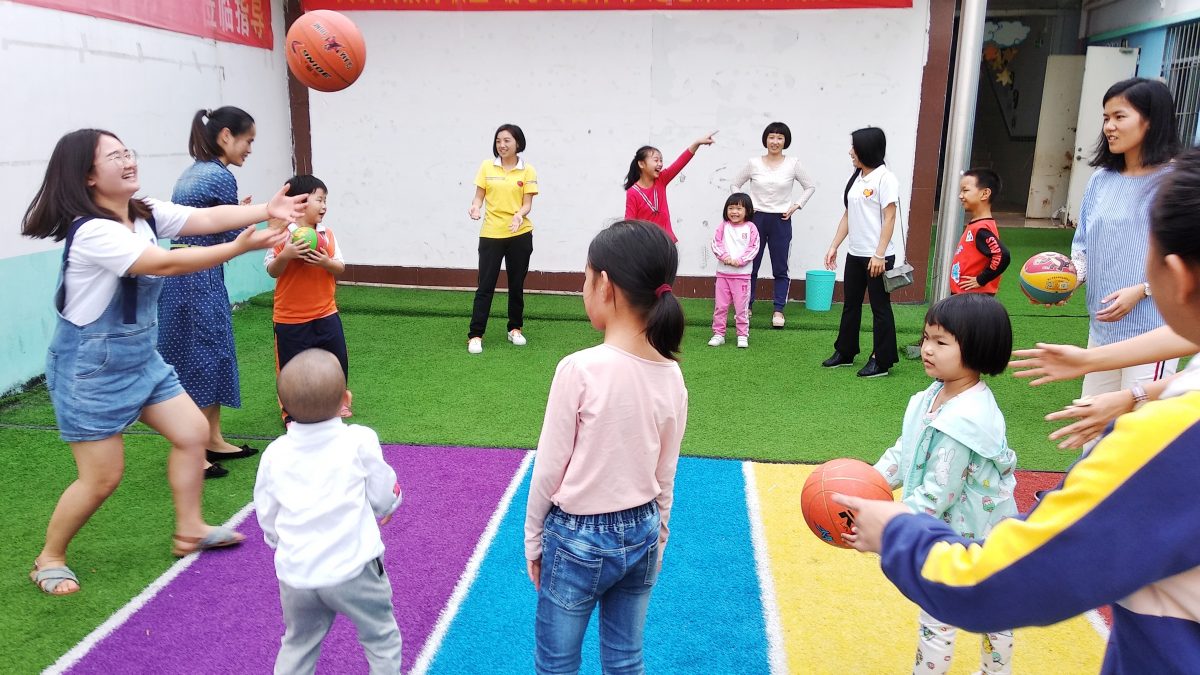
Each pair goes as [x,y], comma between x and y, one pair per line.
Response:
[219,537]
[48,579]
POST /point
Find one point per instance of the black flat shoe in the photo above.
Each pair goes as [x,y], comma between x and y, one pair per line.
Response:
[837,360]
[215,471]
[245,451]
[872,369]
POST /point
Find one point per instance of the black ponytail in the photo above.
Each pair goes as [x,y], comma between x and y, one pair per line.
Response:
[635,172]
[202,144]
[849,184]
[640,259]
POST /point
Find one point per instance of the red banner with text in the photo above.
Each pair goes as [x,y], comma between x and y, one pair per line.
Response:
[245,22]
[548,5]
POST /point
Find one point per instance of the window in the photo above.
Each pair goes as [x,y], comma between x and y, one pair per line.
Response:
[1181,70]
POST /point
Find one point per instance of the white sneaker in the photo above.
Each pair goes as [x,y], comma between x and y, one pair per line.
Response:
[716,341]
[777,320]
[743,341]
[475,346]
[515,337]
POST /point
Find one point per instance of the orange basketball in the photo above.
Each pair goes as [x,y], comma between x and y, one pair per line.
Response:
[325,50]
[828,519]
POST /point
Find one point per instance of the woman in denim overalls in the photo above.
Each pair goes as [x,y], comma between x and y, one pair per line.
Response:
[103,371]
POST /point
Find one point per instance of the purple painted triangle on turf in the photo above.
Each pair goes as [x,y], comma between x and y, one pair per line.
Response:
[222,614]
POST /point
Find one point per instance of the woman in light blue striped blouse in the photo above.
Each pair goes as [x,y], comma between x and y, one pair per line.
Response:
[1137,143]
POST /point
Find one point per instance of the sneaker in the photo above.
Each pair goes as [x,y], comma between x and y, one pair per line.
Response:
[777,320]
[475,346]
[872,369]
[837,360]
[515,337]
[716,341]
[743,341]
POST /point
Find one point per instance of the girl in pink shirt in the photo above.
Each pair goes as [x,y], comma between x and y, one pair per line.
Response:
[646,184]
[603,481]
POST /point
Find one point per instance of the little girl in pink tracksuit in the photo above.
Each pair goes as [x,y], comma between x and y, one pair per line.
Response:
[735,243]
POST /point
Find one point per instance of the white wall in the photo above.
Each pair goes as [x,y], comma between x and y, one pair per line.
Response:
[399,149]
[1126,13]
[65,71]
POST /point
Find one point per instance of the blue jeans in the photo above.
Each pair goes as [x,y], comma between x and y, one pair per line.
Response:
[611,558]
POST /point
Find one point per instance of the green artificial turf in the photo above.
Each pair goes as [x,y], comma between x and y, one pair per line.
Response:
[414,382]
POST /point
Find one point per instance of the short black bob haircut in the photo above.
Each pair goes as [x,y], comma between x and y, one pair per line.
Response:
[1152,100]
[739,198]
[517,134]
[981,326]
[781,129]
[305,184]
[985,179]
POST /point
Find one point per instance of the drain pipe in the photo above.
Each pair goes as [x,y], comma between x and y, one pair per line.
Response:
[959,134]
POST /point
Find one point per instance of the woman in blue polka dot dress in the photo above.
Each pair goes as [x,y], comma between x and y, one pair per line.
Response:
[195,324]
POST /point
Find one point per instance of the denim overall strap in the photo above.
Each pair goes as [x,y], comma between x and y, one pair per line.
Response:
[128,282]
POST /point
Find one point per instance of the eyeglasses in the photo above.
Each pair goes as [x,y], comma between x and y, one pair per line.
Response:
[121,157]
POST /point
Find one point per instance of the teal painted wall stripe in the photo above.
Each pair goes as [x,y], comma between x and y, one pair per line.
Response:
[29,321]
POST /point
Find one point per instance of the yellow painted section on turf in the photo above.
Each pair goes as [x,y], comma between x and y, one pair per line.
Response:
[839,614]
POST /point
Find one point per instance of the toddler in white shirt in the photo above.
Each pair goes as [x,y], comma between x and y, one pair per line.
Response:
[319,491]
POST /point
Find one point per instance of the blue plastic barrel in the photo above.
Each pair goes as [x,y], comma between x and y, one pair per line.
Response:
[818,290]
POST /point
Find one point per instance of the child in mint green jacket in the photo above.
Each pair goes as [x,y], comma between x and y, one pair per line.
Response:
[952,457]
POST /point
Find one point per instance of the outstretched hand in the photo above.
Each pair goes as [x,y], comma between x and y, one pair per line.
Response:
[1050,363]
[871,518]
[253,238]
[1093,415]
[288,208]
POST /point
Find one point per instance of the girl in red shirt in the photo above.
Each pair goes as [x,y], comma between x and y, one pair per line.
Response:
[646,184]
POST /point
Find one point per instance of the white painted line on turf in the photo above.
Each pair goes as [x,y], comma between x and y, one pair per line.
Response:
[470,572]
[762,561]
[76,654]
[1095,618]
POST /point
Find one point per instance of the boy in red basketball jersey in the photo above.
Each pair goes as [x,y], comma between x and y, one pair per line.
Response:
[305,313]
[980,258]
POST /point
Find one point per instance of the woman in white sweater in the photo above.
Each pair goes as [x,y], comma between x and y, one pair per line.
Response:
[768,180]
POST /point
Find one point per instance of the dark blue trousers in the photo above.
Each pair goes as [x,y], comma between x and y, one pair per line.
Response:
[775,233]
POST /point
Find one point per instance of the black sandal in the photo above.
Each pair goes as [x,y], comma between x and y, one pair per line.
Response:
[245,451]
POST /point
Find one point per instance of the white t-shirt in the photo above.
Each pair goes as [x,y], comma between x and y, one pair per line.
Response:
[865,203]
[103,250]
[771,189]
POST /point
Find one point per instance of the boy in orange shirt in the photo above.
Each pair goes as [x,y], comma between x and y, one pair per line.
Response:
[305,313]
[980,258]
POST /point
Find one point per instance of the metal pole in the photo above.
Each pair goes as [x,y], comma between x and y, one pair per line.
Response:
[959,134]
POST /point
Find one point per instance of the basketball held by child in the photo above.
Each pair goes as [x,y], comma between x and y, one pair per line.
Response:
[325,50]
[1048,278]
[825,517]
[308,235]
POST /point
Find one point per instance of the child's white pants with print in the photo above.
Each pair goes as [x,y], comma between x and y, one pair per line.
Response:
[935,648]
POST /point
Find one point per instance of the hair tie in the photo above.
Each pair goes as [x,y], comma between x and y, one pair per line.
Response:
[208,113]
[665,288]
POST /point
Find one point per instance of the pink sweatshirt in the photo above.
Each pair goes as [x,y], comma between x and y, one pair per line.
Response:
[739,242]
[610,440]
[651,204]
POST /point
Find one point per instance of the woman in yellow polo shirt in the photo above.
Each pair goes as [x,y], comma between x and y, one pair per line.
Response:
[506,185]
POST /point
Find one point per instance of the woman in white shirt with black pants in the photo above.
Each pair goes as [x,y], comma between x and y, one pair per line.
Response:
[770,179]
[872,198]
